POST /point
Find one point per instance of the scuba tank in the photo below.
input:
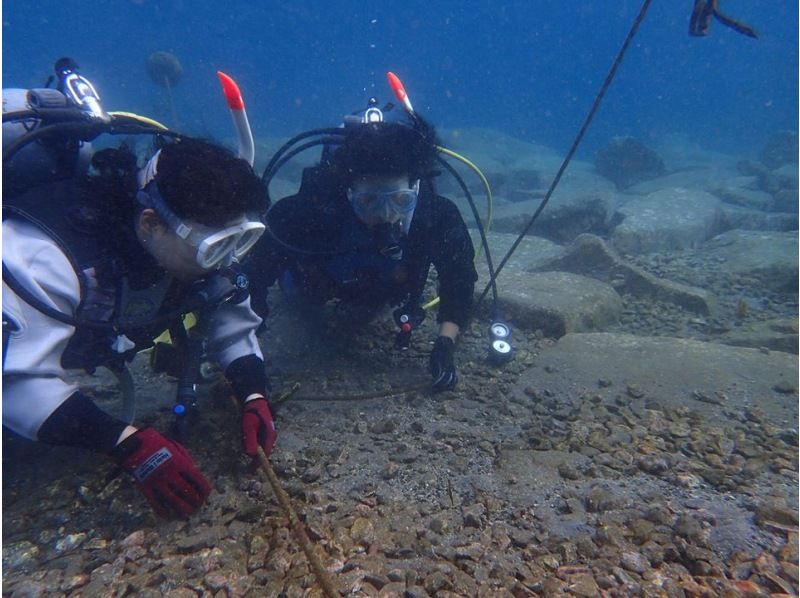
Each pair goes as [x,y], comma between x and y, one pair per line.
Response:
[47,160]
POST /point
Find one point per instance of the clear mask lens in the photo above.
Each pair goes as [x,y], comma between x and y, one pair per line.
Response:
[377,205]
[233,241]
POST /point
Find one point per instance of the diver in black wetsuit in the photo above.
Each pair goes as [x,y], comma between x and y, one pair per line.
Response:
[364,229]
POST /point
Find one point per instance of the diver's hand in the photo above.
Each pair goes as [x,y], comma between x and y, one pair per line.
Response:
[164,472]
[441,364]
[258,429]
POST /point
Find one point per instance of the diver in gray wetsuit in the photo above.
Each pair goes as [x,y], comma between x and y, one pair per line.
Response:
[95,266]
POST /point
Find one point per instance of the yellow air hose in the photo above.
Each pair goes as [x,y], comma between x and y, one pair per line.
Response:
[139,118]
[489,207]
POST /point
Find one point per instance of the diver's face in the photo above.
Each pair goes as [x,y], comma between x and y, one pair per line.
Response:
[175,255]
[379,199]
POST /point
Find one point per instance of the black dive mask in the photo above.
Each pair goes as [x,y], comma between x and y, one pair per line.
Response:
[387,239]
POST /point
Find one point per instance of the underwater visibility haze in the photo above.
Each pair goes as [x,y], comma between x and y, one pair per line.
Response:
[622,420]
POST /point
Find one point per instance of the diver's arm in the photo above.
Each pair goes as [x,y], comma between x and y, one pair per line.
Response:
[38,402]
[231,329]
[263,267]
[232,340]
[453,255]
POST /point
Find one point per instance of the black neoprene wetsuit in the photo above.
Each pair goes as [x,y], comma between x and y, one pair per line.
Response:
[316,237]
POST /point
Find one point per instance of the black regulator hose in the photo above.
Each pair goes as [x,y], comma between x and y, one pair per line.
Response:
[481,231]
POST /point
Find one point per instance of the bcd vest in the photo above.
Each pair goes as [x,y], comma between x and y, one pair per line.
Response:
[106,296]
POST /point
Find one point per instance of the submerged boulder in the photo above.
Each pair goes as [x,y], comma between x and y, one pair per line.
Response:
[570,212]
[770,257]
[780,149]
[668,219]
[626,161]
[558,302]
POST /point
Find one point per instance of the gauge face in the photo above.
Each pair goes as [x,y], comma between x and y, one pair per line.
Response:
[501,347]
[499,330]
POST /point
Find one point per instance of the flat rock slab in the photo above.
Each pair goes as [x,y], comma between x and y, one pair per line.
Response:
[591,256]
[567,214]
[768,256]
[737,217]
[703,179]
[557,302]
[674,218]
[530,254]
[776,334]
[672,372]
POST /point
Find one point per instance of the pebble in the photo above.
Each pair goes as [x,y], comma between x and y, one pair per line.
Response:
[598,499]
[634,391]
[473,515]
[28,589]
[133,539]
[203,538]
[634,561]
[362,531]
[653,464]
[785,387]
[568,471]
[69,542]
[384,426]
[19,554]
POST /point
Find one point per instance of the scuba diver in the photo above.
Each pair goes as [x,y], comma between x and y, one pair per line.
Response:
[100,256]
[364,229]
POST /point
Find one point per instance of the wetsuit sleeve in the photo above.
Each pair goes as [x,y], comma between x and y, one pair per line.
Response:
[79,422]
[34,384]
[263,267]
[248,376]
[231,330]
[453,256]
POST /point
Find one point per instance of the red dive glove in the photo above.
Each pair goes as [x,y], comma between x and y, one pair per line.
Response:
[164,472]
[258,429]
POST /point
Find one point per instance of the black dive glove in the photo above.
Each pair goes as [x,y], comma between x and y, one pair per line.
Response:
[441,364]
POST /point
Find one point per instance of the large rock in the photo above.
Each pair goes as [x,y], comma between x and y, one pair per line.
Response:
[626,161]
[746,197]
[777,335]
[783,184]
[591,256]
[557,302]
[513,167]
[530,254]
[780,149]
[701,179]
[769,257]
[669,219]
[569,213]
[736,217]
[672,372]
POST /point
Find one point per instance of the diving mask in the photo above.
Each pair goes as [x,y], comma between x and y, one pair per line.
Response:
[376,205]
[215,247]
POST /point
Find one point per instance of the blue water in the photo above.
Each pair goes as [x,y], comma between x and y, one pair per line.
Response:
[530,68]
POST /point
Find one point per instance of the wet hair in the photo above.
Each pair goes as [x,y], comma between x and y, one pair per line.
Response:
[390,149]
[206,182]
[199,180]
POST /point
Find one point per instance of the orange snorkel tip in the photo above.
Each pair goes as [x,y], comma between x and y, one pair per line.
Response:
[231,90]
[244,135]
[399,91]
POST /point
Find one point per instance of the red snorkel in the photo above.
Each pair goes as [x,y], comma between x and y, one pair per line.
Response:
[244,136]
[399,91]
